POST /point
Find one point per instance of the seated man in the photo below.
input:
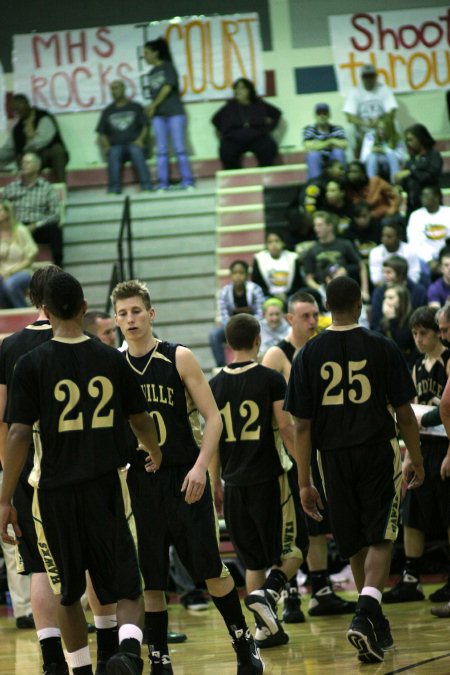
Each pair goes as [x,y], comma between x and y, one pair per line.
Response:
[36,131]
[380,195]
[37,205]
[323,141]
[429,227]
[122,131]
[392,244]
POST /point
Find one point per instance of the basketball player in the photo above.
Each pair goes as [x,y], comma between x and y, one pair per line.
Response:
[339,390]
[177,500]
[261,507]
[303,316]
[78,408]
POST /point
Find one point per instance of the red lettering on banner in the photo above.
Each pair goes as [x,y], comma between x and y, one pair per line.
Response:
[76,87]
[101,34]
[104,83]
[53,41]
[355,23]
[439,30]
[383,32]
[37,96]
[72,45]
[54,87]
[403,31]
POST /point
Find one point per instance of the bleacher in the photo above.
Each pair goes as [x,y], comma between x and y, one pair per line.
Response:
[183,242]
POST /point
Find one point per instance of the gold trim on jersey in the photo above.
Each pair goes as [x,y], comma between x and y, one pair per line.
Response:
[241,369]
[289,529]
[43,326]
[343,328]
[44,549]
[70,340]
[154,354]
[391,531]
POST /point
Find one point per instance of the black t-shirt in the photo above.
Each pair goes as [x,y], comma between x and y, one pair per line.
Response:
[170,404]
[77,393]
[364,239]
[338,252]
[250,446]
[344,380]
[122,124]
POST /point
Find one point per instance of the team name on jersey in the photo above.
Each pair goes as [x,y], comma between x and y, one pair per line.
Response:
[158,393]
[50,565]
[429,386]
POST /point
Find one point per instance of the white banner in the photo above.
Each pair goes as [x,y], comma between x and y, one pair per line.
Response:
[410,48]
[69,71]
[2,100]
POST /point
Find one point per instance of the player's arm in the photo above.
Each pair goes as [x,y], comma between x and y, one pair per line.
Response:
[215,471]
[16,451]
[144,429]
[412,468]
[311,501]
[200,391]
[3,425]
[275,358]
[444,409]
[285,426]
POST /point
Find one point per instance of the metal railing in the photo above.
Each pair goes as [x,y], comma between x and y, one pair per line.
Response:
[123,268]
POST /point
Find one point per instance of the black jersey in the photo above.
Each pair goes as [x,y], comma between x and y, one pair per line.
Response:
[288,349]
[250,447]
[170,404]
[77,393]
[344,380]
[431,383]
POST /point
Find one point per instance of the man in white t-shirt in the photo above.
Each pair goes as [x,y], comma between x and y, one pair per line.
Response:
[392,244]
[429,227]
[365,105]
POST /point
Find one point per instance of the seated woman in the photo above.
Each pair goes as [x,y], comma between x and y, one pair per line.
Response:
[276,270]
[383,150]
[334,200]
[382,198]
[17,251]
[422,169]
[244,124]
[396,311]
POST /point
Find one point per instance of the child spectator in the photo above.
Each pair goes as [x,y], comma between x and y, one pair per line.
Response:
[395,272]
[439,291]
[239,296]
[274,326]
[276,270]
[421,507]
[392,244]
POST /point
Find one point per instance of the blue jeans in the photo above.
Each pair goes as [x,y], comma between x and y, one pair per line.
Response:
[173,126]
[13,289]
[315,160]
[216,342]
[387,160]
[117,156]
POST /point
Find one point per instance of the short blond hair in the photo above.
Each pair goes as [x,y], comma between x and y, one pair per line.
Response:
[131,289]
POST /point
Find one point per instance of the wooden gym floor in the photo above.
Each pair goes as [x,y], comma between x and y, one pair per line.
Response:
[317,647]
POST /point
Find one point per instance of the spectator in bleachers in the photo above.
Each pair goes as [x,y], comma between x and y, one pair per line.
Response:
[323,142]
[383,150]
[166,112]
[36,131]
[277,270]
[335,250]
[365,105]
[122,133]
[396,311]
[274,326]
[102,325]
[17,252]
[429,226]
[392,244]
[439,292]
[363,231]
[37,205]
[382,198]
[240,295]
[422,169]
[244,124]
[334,200]
[395,273]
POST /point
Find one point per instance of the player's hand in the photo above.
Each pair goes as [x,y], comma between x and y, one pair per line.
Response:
[8,515]
[194,484]
[311,502]
[413,474]
[153,459]
[445,468]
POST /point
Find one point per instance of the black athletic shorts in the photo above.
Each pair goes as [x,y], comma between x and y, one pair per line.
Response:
[84,527]
[429,503]
[29,560]
[163,517]
[315,528]
[265,524]
[362,486]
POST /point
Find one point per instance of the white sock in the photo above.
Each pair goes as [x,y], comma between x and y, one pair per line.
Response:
[373,592]
[130,631]
[79,658]
[45,633]
[108,621]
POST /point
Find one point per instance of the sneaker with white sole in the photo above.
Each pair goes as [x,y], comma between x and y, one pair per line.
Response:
[363,638]
[269,631]
[326,603]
